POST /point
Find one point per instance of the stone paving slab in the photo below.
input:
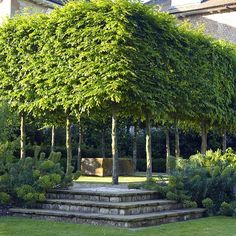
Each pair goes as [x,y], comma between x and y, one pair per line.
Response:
[111,191]
[77,186]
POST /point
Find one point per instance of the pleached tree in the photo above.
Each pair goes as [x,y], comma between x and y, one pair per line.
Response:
[115,59]
[19,38]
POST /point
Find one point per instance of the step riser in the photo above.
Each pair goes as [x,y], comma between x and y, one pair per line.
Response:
[100,198]
[111,210]
[134,224]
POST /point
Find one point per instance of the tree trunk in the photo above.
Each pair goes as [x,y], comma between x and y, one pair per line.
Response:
[148,148]
[68,145]
[167,151]
[79,148]
[204,138]
[22,136]
[177,148]
[53,139]
[127,146]
[115,170]
[103,144]
[224,141]
[135,148]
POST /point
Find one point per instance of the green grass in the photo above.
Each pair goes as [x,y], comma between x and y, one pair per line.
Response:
[212,226]
[140,177]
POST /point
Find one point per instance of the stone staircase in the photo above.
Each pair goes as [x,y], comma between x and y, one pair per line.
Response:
[109,206]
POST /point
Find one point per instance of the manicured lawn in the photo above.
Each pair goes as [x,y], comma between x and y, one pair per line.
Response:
[212,226]
[139,177]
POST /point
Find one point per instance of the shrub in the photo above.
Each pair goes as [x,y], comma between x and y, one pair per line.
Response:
[207,176]
[228,209]
[209,205]
[171,196]
[28,179]
[55,157]
[189,204]
[207,180]
[171,163]
[4,198]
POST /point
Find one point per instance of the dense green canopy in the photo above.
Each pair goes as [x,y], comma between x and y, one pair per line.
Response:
[118,56]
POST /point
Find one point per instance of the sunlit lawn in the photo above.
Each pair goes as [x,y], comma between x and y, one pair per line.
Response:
[212,226]
[138,178]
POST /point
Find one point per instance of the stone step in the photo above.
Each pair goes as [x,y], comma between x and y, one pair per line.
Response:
[104,194]
[112,208]
[129,221]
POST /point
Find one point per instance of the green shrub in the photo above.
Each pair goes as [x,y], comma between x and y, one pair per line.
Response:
[41,197]
[172,196]
[189,204]
[171,163]
[207,176]
[207,180]
[228,209]
[28,179]
[209,205]
[134,186]
[4,198]
[55,157]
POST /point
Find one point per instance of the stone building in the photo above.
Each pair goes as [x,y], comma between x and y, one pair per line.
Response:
[10,7]
[218,16]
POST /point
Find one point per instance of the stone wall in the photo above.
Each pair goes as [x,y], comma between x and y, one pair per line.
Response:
[220,25]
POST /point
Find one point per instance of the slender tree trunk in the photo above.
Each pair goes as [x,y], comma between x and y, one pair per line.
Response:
[204,138]
[103,144]
[22,136]
[177,148]
[53,139]
[148,148]
[127,146]
[135,148]
[115,170]
[79,147]
[167,150]
[224,141]
[68,144]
